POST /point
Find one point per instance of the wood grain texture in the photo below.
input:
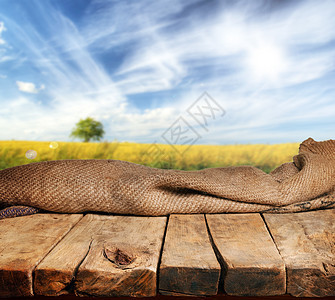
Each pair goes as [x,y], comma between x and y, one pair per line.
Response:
[189,265]
[123,257]
[56,273]
[24,242]
[252,264]
[306,242]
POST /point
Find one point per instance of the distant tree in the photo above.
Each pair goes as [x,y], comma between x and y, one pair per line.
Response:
[88,129]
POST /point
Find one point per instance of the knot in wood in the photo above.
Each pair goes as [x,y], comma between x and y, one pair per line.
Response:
[118,257]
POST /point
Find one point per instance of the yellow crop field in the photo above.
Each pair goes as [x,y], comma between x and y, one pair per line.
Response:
[265,157]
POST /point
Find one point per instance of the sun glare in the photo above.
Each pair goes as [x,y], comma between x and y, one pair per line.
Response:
[266,62]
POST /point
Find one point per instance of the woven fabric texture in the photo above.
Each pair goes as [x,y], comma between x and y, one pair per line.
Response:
[73,186]
[17,211]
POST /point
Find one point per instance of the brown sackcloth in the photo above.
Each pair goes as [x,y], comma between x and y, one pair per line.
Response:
[73,186]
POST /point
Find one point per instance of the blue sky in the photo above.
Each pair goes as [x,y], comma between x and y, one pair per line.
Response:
[138,67]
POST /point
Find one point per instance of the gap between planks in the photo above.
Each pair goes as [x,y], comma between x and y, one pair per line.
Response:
[306,242]
[25,242]
[188,264]
[251,263]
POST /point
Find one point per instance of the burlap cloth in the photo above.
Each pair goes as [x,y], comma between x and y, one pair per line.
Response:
[73,186]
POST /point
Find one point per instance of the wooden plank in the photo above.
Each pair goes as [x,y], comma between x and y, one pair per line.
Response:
[55,274]
[306,242]
[252,264]
[189,265]
[123,257]
[24,242]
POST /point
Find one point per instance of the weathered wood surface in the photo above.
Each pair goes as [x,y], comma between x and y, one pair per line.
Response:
[189,265]
[123,256]
[306,242]
[24,242]
[56,273]
[104,255]
[252,264]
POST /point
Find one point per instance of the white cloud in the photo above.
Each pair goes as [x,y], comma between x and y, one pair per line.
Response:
[5,58]
[2,29]
[29,87]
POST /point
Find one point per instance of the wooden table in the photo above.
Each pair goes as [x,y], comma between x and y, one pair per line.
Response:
[184,255]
